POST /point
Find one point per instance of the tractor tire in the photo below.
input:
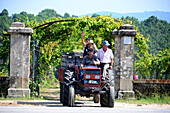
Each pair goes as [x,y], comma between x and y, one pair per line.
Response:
[107,100]
[68,80]
[104,100]
[96,98]
[61,92]
[111,97]
[65,95]
[71,98]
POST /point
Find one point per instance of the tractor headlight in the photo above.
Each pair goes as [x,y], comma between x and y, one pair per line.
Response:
[97,76]
[87,76]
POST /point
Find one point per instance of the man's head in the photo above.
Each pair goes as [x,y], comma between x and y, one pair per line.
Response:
[91,52]
[90,43]
[105,44]
[88,40]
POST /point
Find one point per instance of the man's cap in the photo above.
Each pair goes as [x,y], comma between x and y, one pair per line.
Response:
[91,42]
[106,43]
[88,38]
[91,50]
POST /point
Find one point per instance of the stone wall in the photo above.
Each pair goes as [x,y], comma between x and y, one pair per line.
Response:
[151,87]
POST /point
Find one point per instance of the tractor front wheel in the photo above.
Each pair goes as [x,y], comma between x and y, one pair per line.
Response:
[96,98]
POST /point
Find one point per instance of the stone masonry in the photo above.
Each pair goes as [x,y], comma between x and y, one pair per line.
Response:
[124,61]
[19,60]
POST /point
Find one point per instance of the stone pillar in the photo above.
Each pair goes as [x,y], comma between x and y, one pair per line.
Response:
[19,60]
[124,61]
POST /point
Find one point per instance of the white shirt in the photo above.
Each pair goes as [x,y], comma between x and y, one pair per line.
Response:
[105,57]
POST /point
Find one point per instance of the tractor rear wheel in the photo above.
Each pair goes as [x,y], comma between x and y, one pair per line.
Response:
[104,100]
[71,98]
[68,81]
[107,100]
[65,95]
[111,97]
[96,98]
[61,92]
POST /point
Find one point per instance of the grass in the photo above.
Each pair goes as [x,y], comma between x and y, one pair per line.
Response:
[151,100]
[22,98]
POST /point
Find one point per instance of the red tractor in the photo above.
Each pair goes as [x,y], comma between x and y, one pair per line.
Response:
[90,85]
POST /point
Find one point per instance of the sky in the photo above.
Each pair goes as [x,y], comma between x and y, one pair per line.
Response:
[81,7]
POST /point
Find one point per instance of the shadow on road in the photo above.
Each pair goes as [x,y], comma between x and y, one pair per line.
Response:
[58,104]
[48,104]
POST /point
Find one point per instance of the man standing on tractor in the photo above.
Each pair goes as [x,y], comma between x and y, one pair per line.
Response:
[89,46]
[85,45]
[106,58]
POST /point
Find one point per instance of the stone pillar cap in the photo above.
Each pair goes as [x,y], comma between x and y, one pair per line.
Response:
[127,27]
[18,27]
[125,30]
[17,24]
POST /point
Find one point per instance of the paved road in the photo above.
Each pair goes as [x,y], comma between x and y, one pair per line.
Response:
[54,109]
[80,107]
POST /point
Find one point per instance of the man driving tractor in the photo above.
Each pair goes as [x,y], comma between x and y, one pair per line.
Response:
[89,60]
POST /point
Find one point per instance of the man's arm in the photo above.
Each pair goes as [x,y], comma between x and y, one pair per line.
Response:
[82,35]
[95,48]
[111,66]
[98,54]
[81,66]
[97,62]
[83,62]
[111,57]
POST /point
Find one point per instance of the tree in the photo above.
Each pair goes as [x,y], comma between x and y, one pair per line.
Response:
[23,16]
[66,15]
[47,14]
[4,13]
[5,21]
[159,33]
[95,15]
[74,16]
[157,30]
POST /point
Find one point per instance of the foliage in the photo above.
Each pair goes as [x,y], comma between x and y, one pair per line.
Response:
[46,14]
[4,54]
[95,15]
[22,17]
[150,64]
[66,15]
[159,33]
[5,21]
[65,36]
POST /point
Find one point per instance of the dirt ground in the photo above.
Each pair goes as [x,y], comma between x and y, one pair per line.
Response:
[52,96]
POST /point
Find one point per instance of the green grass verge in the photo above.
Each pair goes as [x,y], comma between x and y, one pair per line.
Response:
[22,98]
[147,100]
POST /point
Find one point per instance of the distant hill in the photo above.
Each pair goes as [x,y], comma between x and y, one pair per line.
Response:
[141,16]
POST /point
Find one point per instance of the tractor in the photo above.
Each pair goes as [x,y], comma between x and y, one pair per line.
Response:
[89,85]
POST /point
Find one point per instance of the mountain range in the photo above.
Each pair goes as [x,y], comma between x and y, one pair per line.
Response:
[140,16]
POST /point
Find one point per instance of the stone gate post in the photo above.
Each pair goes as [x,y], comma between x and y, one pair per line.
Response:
[124,60]
[19,60]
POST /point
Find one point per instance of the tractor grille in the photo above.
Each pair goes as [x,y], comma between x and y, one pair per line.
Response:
[91,81]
